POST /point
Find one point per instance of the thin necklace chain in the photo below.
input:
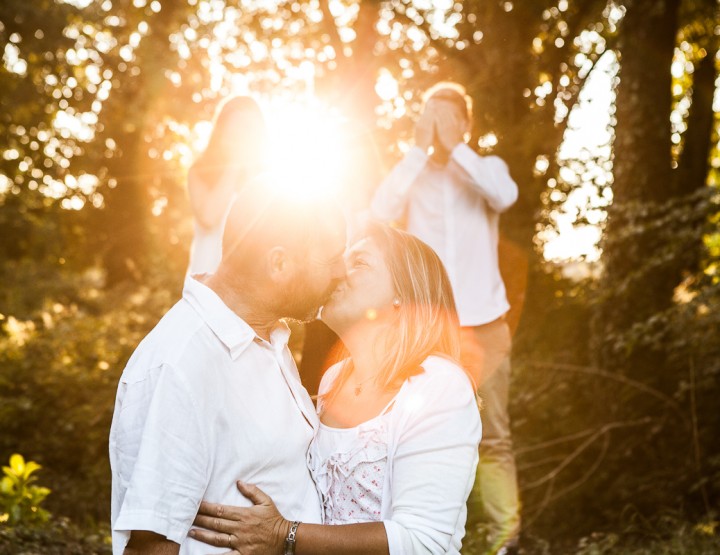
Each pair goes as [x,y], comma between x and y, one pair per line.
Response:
[359,385]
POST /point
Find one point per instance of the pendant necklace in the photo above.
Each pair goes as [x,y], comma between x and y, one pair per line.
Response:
[359,386]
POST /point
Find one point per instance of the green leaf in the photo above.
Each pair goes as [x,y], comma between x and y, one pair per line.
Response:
[6,485]
[42,515]
[38,494]
[17,463]
[31,467]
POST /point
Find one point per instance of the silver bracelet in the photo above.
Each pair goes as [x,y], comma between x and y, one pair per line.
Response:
[290,540]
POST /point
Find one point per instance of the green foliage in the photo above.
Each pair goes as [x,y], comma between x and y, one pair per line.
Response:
[59,366]
[20,499]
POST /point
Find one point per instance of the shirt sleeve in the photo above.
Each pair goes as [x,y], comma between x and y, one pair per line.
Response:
[164,456]
[434,465]
[389,201]
[489,175]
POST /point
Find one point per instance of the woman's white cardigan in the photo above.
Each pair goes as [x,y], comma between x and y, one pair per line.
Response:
[434,433]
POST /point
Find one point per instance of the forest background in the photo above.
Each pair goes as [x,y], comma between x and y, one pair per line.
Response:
[617,349]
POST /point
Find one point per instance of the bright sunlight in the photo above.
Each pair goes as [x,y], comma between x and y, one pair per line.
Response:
[309,146]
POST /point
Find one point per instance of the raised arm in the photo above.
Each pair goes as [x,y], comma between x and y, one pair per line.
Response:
[209,203]
[489,175]
[390,199]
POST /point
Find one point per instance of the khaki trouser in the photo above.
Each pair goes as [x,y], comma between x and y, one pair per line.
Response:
[494,498]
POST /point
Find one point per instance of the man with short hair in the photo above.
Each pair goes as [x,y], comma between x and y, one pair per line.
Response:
[212,395]
[452,199]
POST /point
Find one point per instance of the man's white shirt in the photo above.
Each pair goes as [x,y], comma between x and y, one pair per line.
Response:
[202,403]
[455,209]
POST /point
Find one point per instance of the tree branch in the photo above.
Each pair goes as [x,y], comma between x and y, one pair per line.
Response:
[554,442]
[583,446]
[550,497]
[331,29]
[590,371]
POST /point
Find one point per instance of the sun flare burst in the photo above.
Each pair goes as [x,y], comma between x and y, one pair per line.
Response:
[309,149]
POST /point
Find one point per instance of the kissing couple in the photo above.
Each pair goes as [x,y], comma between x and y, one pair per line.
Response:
[215,445]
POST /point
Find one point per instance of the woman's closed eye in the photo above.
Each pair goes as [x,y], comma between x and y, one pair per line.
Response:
[356,263]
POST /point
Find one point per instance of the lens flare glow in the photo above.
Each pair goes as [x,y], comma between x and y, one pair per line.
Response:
[308,147]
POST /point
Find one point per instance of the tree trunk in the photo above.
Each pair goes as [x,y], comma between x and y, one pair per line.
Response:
[126,228]
[638,280]
[124,225]
[694,163]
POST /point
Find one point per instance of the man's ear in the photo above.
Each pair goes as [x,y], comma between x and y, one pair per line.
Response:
[279,264]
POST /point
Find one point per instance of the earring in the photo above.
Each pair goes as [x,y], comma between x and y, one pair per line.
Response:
[396,302]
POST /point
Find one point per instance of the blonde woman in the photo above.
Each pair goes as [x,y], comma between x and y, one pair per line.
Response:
[395,455]
[235,154]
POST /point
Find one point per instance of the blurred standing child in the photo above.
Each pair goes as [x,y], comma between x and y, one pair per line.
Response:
[234,155]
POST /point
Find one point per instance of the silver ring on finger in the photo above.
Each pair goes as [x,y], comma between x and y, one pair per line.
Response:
[229,541]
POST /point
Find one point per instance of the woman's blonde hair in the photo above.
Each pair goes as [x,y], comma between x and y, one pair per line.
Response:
[248,140]
[426,322]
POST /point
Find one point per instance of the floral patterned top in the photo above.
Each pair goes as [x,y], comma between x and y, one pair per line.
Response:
[348,466]
[411,467]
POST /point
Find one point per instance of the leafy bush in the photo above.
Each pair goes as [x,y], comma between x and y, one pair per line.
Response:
[20,499]
[59,368]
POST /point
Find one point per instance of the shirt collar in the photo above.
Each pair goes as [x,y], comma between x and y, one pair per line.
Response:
[279,336]
[230,329]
